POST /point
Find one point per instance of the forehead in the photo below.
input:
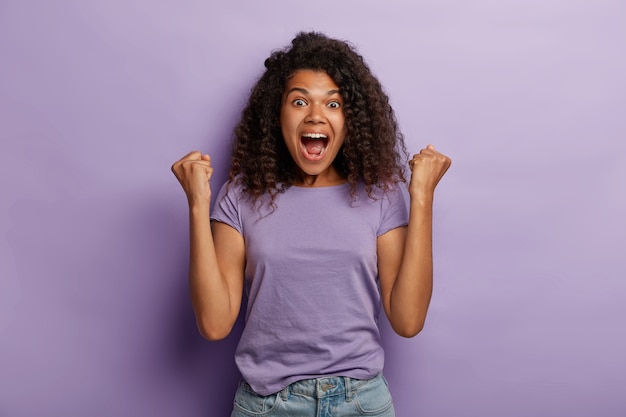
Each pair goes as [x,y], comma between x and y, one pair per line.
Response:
[310,80]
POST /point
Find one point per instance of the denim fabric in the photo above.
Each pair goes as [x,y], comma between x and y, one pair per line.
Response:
[319,397]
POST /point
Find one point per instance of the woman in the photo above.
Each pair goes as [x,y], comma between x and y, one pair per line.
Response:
[315,226]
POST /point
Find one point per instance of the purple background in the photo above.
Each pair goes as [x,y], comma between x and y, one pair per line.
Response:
[98,98]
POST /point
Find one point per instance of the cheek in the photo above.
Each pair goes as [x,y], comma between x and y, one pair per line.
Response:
[340,120]
[287,127]
[288,122]
[342,127]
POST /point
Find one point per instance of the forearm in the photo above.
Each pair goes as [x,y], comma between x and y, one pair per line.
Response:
[412,288]
[213,302]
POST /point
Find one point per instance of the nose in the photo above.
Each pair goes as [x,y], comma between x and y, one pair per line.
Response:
[315,114]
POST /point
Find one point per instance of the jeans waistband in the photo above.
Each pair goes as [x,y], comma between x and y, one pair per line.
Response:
[325,387]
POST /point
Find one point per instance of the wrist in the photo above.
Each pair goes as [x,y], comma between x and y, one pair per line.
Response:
[421,197]
[199,207]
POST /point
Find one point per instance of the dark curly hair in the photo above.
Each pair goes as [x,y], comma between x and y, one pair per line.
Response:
[373,148]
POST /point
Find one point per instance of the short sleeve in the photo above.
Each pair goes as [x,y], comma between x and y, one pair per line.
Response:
[394,210]
[227,208]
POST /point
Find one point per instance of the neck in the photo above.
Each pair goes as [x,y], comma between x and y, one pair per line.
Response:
[325,179]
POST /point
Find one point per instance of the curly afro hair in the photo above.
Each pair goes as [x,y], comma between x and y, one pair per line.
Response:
[373,151]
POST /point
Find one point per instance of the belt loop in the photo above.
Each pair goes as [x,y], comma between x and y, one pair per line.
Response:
[284,394]
[348,389]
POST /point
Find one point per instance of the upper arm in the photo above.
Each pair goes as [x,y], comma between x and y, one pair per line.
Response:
[390,249]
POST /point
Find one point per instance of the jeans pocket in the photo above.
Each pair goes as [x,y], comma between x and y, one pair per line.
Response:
[373,398]
[249,403]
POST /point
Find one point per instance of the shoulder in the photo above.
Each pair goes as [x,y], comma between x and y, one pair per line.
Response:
[231,188]
[391,192]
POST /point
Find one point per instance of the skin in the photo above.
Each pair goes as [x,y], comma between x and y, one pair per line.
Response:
[311,103]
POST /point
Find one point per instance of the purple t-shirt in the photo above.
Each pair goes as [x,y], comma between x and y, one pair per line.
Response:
[311,279]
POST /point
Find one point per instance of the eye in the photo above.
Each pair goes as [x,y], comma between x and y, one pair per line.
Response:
[334,105]
[299,102]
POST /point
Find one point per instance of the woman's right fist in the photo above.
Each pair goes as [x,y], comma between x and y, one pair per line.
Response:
[194,171]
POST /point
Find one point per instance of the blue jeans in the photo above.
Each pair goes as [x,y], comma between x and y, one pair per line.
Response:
[319,397]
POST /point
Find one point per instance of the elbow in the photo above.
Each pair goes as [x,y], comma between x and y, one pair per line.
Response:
[409,330]
[213,336]
[213,333]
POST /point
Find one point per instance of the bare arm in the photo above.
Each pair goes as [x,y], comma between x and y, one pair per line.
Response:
[405,260]
[217,253]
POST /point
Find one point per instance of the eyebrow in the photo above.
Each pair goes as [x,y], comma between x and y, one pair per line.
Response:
[305,91]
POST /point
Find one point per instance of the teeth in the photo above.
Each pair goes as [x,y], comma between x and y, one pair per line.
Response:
[314,135]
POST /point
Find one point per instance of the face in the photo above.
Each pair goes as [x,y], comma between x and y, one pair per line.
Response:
[313,125]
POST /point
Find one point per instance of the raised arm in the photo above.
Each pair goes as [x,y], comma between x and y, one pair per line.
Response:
[217,253]
[405,259]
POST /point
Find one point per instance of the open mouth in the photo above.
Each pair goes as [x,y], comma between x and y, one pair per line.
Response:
[314,145]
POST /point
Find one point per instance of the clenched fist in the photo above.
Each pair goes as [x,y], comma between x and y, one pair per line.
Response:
[194,171]
[427,168]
